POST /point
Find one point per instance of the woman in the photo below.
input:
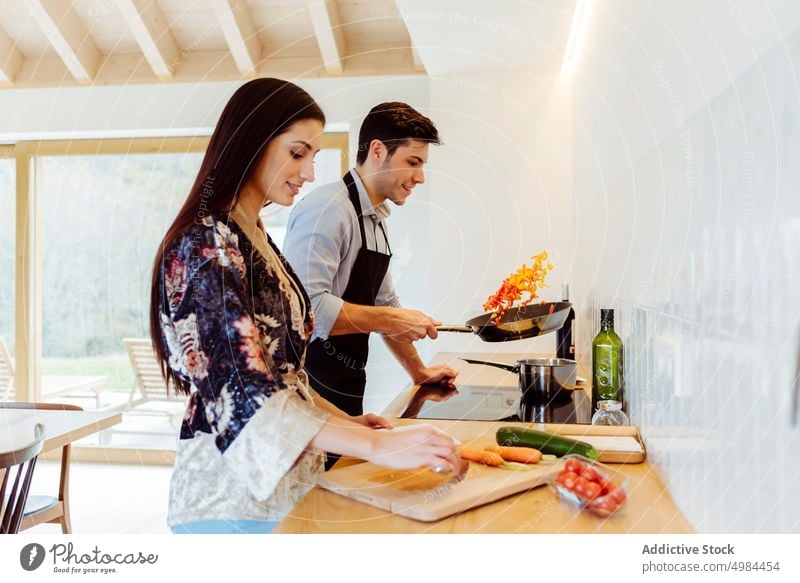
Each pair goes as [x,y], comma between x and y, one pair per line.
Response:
[230,321]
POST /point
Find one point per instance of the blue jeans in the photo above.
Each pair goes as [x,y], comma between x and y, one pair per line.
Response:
[225,527]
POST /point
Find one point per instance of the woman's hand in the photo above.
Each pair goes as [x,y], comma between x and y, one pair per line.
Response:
[373,421]
[414,448]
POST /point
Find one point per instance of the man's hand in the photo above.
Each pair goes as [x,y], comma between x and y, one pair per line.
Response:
[403,325]
[373,421]
[438,373]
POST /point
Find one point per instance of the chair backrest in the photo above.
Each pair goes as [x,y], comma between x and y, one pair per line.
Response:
[47,513]
[146,369]
[21,463]
[6,372]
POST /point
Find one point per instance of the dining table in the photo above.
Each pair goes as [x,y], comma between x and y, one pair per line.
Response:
[61,427]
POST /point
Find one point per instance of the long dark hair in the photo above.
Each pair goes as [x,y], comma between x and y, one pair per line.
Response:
[258,111]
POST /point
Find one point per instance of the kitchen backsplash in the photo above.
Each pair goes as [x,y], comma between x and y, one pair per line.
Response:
[698,250]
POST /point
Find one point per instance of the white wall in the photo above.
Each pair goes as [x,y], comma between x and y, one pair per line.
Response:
[498,191]
[74,112]
[646,67]
[688,223]
[502,189]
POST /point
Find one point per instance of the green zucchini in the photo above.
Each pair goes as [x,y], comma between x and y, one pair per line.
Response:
[547,443]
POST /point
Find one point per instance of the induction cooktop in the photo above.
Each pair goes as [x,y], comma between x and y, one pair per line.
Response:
[487,403]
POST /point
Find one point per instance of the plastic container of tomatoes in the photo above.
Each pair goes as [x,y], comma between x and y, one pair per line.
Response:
[590,485]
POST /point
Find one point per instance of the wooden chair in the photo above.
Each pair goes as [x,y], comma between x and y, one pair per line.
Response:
[49,509]
[22,460]
[147,374]
[74,386]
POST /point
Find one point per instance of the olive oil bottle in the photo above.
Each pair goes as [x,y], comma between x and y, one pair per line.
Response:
[608,383]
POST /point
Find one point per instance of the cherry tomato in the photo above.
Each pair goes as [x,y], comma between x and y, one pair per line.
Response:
[574,465]
[592,490]
[619,495]
[604,506]
[567,478]
[580,486]
[591,475]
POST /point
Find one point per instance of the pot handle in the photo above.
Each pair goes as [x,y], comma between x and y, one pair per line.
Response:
[454,329]
[509,367]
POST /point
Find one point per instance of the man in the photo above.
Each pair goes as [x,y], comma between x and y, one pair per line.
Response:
[337,243]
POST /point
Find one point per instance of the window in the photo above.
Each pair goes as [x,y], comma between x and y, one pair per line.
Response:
[7,271]
[102,218]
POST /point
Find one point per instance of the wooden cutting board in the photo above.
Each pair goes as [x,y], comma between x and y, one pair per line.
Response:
[617,445]
[482,484]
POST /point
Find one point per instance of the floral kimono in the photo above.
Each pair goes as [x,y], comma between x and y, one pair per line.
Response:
[235,321]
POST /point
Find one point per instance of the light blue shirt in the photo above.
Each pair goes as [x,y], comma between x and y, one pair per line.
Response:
[322,242]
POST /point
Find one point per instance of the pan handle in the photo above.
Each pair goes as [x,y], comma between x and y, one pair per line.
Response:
[509,367]
[454,329]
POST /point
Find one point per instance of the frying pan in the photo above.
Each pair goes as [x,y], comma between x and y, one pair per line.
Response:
[516,323]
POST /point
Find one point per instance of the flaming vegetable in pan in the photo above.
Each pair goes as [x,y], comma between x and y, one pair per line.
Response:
[521,286]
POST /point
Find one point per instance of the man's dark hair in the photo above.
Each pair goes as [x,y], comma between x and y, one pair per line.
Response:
[394,123]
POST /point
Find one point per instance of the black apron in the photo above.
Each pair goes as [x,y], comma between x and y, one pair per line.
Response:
[336,366]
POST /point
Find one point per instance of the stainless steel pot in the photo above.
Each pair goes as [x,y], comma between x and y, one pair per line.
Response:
[542,382]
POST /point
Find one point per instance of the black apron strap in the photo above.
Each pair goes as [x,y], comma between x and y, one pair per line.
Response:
[336,366]
[352,194]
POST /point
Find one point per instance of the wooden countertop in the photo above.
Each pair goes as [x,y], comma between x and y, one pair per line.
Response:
[650,509]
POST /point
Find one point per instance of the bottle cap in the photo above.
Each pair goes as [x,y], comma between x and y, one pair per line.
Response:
[607,316]
[564,292]
[609,406]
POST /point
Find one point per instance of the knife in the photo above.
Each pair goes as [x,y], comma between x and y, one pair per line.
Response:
[463,466]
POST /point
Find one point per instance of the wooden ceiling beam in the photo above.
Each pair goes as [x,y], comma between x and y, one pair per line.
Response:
[330,38]
[240,34]
[68,35]
[209,66]
[151,30]
[418,64]
[10,60]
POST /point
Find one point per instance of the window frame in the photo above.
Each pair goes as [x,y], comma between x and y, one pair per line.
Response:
[8,152]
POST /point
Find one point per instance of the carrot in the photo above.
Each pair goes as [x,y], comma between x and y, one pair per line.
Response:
[482,457]
[525,455]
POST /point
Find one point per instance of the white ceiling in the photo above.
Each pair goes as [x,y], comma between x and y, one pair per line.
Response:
[453,36]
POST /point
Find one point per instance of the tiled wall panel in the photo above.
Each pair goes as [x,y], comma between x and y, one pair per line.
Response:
[698,250]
